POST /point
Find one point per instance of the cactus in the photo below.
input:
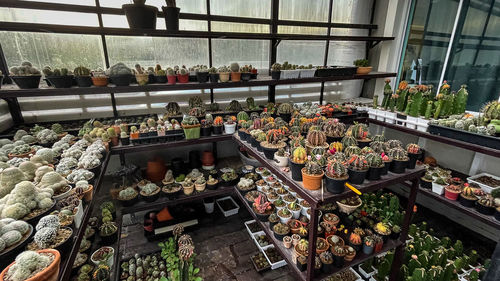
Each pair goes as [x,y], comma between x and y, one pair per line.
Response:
[402,93]
[387,94]
[276,67]
[333,128]
[349,140]
[316,138]
[352,150]
[358,162]
[398,154]
[191,120]
[383,269]
[234,106]
[107,229]
[235,67]
[413,148]
[374,160]
[242,115]
[299,155]
[313,168]
[491,111]
[81,71]
[377,146]
[416,102]
[195,101]
[375,101]
[359,131]
[335,169]
[285,108]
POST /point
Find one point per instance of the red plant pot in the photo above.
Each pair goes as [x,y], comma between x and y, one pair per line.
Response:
[172,79]
[378,247]
[182,78]
[451,195]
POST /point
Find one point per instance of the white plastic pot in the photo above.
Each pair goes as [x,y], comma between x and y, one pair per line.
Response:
[281,161]
[380,114]
[437,188]
[209,206]
[110,260]
[307,73]
[229,128]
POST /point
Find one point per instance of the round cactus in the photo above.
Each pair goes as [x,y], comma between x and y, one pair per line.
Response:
[358,131]
[15,211]
[398,154]
[53,180]
[11,237]
[333,128]
[242,115]
[335,169]
[316,137]
[285,108]
[358,162]
[21,226]
[352,150]
[349,141]
[45,237]
[51,221]
[374,160]
[299,155]
[9,178]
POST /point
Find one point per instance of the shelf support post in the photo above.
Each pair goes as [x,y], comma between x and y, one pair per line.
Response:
[313,233]
[399,251]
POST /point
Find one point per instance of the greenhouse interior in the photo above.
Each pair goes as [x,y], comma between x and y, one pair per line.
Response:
[273,140]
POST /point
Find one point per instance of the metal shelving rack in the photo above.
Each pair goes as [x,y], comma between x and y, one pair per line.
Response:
[317,198]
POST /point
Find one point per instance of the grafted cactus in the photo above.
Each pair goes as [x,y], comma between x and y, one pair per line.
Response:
[316,137]
[336,169]
[333,128]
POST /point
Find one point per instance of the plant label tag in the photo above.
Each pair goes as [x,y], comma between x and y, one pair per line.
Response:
[79,215]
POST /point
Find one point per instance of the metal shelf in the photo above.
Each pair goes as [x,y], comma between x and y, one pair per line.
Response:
[453,142]
[9,91]
[287,254]
[318,197]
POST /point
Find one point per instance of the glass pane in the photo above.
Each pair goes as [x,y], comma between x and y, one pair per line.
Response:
[301,52]
[149,51]
[187,6]
[120,21]
[254,52]
[48,17]
[56,50]
[241,8]
[475,60]
[74,2]
[428,41]
[345,53]
[285,29]
[304,10]
[352,11]
[239,27]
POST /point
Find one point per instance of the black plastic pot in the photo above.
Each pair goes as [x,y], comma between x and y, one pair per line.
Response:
[427,185]
[83,81]
[202,77]
[151,79]
[335,186]
[212,186]
[279,236]
[171,17]
[254,142]
[151,198]
[394,235]
[301,266]
[245,76]
[276,75]
[296,170]
[243,135]
[131,202]
[1,81]
[269,152]
[121,80]
[109,240]
[356,177]
[485,210]
[140,16]
[259,147]
[385,169]
[61,81]
[262,217]
[27,82]
[497,215]
[398,166]
[217,130]
[327,268]
[206,131]
[125,141]
[172,195]
[161,79]
[177,166]
[374,173]
[214,77]
[356,247]
[333,139]
[362,144]
[286,117]
[412,161]
[338,260]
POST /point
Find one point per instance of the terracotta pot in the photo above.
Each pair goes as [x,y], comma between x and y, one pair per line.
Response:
[117,128]
[134,136]
[200,187]
[235,76]
[224,76]
[311,182]
[51,273]
[87,195]
[183,78]
[115,141]
[155,170]
[364,69]
[207,158]
[100,81]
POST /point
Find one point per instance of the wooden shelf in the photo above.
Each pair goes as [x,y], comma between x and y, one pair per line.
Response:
[122,149]
[8,91]
[67,262]
[287,253]
[449,141]
[164,201]
[318,197]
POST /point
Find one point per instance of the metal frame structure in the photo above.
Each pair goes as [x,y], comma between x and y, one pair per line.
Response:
[274,37]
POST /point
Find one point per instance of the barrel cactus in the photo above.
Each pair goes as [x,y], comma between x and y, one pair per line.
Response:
[336,169]
[374,160]
[45,237]
[285,108]
[377,146]
[349,141]
[333,128]
[118,69]
[9,178]
[242,116]
[359,131]
[316,137]
[398,154]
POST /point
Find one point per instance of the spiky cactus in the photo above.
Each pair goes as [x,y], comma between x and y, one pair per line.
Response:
[377,146]
[413,148]
[285,108]
[402,94]
[242,115]
[299,155]
[398,154]
[349,140]
[316,138]
[335,169]
[273,136]
[491,110]
[374,160]
[333,128]
[352,150]
[387,94]
[359,131]
[358,162]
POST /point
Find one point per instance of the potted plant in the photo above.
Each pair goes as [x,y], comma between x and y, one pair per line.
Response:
[281,157]
[316,138]
[182,75]
[357,169]
[202,74]
[82,76]
[438,185]
[399,160]
[379,243]
[414,153]
[262,208]
[276,71]
[395,231]
[140,15]
[285,111]
[171,76]
[171,12]
[295,208]
[280,230]
[103,255]
[368,245]
[285,215]
[245,73]
[120,74]
[272,143]
[297,162]
[160,74]
[336,176]
[452,191]
[230,125]
[486,205]
[150,192]
[376,166]
[108,232]
[214,76]
[191,127]
[359,131]
[217,125]
[141,76]
[363,66]
[99,78]
[355,241]
[206,128]
[32,266]
[327,261]
[128,196]
[426,181]
[200,184]
[339,253]
[287,242]
[312,175]
[383,229]
[334,130]
[235,72]
[113,136]
[25,76]
[467,197]
[224,73]
[60,78]
[289,71]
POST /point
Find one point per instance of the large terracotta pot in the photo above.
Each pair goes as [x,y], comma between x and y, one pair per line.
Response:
[156,170]
[51,273]
[311,182]
[207,158]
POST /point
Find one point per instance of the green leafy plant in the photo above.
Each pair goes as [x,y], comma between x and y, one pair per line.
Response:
[361,63]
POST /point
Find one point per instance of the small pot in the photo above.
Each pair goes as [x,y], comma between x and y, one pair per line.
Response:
[27,82]
[182,78]
[83,81]
[398,167]
[172,79]
[100,81]
[140,16]
[425,184]
[212,186]
[362,70]
[162,79]
[296,170]
[338,260]
[367,250]
[464,201]
[224,76]
[125,141]
[209,204]
[130,202]
[214,77]
[311,182]
[356,177]
[202,77]
[335,186]
[275,75]
[246,76]
[110,239]
[374,173]
[235,76]
[385,169]
[437,188]
[171,17]
[65,81]
[451,194]
[413,157]
[206,131]
[230,128]
[485,210]
[87,195]
[188,190]
[217,130]
[200,187]
[281,161]
[142,79]
[153,197]
[269,152]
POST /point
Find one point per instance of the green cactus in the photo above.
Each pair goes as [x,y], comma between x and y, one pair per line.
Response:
[375,101]
[419,274]
[81,71]
[384,268]
[428,109]
[449,273]
[460,101]
[459,248]
[416,102]
[387,94]
[402,99]
[413,264]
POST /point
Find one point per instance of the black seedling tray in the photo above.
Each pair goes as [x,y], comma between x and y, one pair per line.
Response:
[487,141]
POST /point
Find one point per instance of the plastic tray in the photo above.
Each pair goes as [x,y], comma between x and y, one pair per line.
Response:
[228,212]
[257,243]
[248,229]
[277,264]
[461,135]
[484,187]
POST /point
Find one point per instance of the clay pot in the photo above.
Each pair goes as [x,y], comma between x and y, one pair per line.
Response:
[235,76]
[100,81]
[311,182]
[87,195]
[115,141]
[51,273]
[224,76]
[156,170]
[364,69]
[207,158]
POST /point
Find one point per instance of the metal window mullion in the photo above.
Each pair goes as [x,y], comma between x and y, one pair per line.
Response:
[210,62]
[406,36]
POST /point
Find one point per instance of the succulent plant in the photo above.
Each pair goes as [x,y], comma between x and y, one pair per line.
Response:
[336,169]
[352,150]
[333,128]
[413,148]
[107,229]
[374,160]
[313,168]
[398,154]
[26,69]
[349,141]
[51,221]
[316,137]
[299,155]
[358,162]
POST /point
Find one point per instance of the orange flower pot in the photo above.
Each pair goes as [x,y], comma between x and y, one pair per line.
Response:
[235,76]
[311,182]
[87,195]
[100,81]
[51,273]
[155,170]
[134,136]
[363,70]
[115,141]
[117,128]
